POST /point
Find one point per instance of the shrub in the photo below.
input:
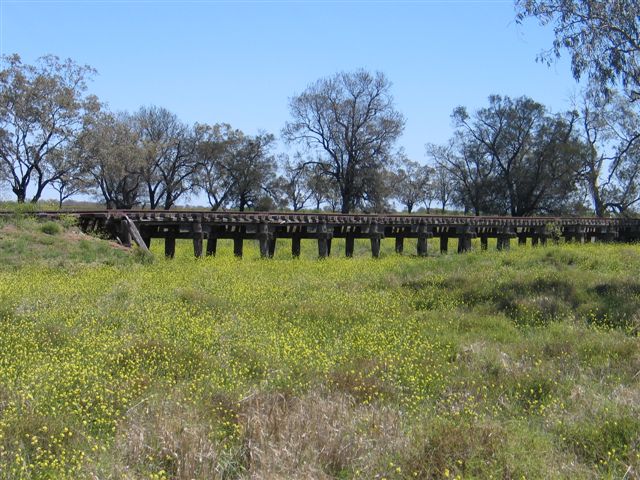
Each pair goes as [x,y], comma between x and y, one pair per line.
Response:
[51,228]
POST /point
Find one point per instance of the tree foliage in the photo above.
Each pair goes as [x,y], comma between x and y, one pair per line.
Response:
[350,119]
[412,183]
[512,157]
[602,37]
[42,107]
[610,128]
[232,167]
[110,149]
[169,159]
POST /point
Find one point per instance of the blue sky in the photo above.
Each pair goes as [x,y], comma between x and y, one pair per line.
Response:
[240,61]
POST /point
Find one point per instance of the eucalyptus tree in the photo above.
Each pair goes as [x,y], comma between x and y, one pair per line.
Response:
[109,148]
[233,168]
[412,183]
[252,168]
[322,189]
[293,183]
[169,155]
[602,38]
[73,175]
[471,174]
[513,157]
[350,120]
[610,128]
[42,107]
[442,188]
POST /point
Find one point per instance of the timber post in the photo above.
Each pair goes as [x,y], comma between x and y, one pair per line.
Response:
[212,242]
[399,244]
[134,234]
[272,246]
[197,237]
[323,239]
[504,238]
[444,243]
[170,243]
[423,235]
[375,239]
[125,235]
[264,238]
[237,244]
[522,238]
[146,237]
[465,234]
[295,246]
[349,243]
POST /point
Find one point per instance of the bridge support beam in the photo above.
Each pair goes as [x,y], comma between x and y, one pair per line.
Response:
[212,242]
[295,246]
[399,244]
[375,247]
[464,243]
[423,234]
[324,240]
[266,240]
[444,243]
[125,234]
[504,243]
[349,243]
[170,244]
[197,238]
[465,234]
[237,245]
[376,236]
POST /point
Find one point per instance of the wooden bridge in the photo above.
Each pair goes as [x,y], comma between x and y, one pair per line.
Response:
[141,226]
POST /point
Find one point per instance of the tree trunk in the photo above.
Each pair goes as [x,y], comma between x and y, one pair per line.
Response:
[347,200]
[598,205]
[21,194]
[153,203]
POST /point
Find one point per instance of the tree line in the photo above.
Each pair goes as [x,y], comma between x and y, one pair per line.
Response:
[513,156]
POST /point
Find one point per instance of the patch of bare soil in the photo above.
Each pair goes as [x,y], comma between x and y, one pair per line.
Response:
[77,235]
[9,228]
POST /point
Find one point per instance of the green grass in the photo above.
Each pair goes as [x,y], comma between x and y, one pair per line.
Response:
[27,242]
[490,364]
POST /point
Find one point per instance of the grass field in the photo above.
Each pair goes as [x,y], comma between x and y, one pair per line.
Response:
[519,364]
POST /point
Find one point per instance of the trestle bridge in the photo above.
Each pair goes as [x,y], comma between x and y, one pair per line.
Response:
[205,228]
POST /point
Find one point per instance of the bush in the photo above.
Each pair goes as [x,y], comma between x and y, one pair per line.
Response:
[51,228]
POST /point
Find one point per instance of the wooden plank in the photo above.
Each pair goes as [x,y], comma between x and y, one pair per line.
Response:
[135,234]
